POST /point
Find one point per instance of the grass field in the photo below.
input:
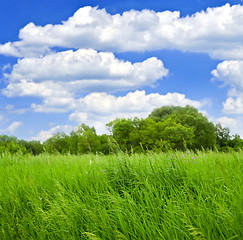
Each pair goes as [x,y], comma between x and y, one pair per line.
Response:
[153,196]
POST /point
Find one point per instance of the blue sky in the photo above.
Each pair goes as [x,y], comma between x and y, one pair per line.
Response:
[68,62]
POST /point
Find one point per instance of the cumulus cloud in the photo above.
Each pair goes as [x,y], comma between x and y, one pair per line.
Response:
[103,103]
[216,31]
[234,104]
[44,135]
[231,74]
[65,73]
[13,127]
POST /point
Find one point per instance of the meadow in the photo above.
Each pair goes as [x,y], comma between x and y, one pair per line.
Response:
[173,195]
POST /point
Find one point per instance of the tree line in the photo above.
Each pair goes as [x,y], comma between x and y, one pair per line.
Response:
[166,128]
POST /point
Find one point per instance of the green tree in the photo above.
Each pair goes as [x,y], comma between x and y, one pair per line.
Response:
[125,132]
[150,134]
[33,147]
[57,143]
[11,145]
[178,136]
[84,140]
[204,131]
[222,134]
[235,143]
[165,135]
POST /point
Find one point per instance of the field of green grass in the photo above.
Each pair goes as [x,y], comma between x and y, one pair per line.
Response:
[172,195]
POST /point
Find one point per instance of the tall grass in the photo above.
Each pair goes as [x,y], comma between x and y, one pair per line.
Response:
[143,196]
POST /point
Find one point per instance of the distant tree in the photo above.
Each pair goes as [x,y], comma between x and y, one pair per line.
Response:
[57,143]
[150,134]
[165,135]
[222,134]
[178,136]
[235,143]
[125,132]
[107,144]
[11,145]
[204,131]
[33,147]
[146,134]
[84,140]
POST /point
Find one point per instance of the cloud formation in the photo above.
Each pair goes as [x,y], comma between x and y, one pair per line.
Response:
[231,74]
[216,31]
[65,73]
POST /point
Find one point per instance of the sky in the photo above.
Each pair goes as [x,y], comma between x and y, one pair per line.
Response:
[67,62]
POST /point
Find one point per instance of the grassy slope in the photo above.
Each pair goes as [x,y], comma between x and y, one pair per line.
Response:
[152,196]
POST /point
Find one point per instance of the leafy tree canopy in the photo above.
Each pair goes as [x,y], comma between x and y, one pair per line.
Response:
[205,136]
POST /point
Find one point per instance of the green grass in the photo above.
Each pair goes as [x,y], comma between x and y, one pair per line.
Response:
[142,196]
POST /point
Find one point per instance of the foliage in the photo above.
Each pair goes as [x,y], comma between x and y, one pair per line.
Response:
[204,131]
[223,135]
[165,135]
[33,147]
[83,140]
[9,144]
[125,132]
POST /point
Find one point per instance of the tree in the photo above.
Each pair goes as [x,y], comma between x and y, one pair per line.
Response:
[178,136]
[150,134]
[125,132]
[147,134]
[235,143]
[222,134]
[84,140]
[204,131]
[57,143]
[165,135]
[33,147]
[11,145]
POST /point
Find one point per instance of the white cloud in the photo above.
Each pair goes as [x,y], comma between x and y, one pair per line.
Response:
[234,104]
[9,49]
[217,32]
[13,127]
[44,135]
[63,74]
[231,74]
[138,101]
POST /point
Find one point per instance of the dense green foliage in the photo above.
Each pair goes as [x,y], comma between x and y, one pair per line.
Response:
[148,134]
[11,145]
[166,128]
[83,140]
[204,131]
[173,195]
